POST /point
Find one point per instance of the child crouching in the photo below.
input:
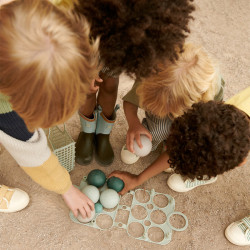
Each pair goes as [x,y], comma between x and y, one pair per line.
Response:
[46,66]
[207,140]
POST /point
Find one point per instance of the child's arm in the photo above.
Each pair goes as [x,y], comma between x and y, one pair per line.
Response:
[131,181]
[135,127]
[36,159]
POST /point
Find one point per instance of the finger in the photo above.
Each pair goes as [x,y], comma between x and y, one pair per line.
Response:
[83,212]
[123,191]
[75,212]
[91,204]
[127,141]
[87,210]
[94,90]
[138,140]
[131,143]
[99,79]
[148,134]
[98,82]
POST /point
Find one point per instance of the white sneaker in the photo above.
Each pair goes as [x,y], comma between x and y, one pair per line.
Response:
[127,157]
[169,170]
[238,232]
[12,199]
[176,183]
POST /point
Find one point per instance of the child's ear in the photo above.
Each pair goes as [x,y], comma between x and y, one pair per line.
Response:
[242,163]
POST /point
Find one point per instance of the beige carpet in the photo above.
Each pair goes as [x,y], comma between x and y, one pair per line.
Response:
[223,28]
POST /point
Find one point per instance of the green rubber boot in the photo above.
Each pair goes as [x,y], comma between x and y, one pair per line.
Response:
[85,141]
[104,153]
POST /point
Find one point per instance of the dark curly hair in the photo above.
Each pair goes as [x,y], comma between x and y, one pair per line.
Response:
[208,139]
[138,34]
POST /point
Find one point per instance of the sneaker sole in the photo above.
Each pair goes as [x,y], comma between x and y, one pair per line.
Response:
[188,189]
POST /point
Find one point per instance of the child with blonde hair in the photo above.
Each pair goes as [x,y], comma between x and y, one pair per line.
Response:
[46,66]
[164,96]
[194,77]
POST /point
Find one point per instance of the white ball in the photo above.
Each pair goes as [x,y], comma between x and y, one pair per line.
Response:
[146,146]
[92,192]
[109,198]
[86,219]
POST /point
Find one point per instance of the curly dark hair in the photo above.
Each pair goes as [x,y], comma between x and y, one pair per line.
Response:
[138,34]
[209,139]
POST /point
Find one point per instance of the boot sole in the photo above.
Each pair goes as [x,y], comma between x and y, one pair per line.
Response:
[84,164]
[104,164]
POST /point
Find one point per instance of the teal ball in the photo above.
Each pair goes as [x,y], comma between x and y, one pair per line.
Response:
[98,207]
[96,178]
[115,183]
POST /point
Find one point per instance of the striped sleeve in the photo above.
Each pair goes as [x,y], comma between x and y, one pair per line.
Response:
[37,160]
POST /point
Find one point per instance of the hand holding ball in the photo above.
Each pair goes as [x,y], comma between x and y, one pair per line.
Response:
[146,146]
[115,183]
[86,219]
[92,192]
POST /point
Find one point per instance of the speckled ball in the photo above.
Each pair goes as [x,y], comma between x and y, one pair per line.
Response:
[86,219]
[98,207]
[115,183]
[109,198]
[147,146]
[96,178]
[92,192]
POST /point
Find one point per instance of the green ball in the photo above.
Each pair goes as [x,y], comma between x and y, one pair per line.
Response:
[115,183]
[98,207]
[96,178]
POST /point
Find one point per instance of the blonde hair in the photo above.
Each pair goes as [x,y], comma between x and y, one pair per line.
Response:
[65,4]
[192,78]
[46,61]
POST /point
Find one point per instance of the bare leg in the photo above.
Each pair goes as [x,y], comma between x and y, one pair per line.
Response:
[88,108]
[85,143]
[108,94]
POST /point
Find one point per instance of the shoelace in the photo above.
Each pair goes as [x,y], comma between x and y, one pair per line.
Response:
[244,225]
[3,192]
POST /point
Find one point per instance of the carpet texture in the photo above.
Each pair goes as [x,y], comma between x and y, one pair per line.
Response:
[223,28]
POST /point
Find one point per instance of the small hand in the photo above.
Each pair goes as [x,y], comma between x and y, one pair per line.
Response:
[130,180]
[134,133]
[94,86]
[77,201]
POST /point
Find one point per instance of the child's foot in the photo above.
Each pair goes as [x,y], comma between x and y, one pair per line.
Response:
[238,232]
[12,199]
[178,184]
[127,157]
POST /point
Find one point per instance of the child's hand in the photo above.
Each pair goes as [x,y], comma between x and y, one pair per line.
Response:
[94,86]
[134,133]
[78,202]
[131,181]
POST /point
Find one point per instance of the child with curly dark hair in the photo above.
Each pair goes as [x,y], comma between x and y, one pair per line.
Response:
[207,140]
[134,36]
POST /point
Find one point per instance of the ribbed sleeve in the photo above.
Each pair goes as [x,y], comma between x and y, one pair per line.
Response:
[37,160]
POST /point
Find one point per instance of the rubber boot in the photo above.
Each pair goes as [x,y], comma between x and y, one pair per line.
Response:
[85,141]
[104,153]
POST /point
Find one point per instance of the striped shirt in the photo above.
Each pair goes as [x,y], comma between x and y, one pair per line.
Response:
[158,127]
